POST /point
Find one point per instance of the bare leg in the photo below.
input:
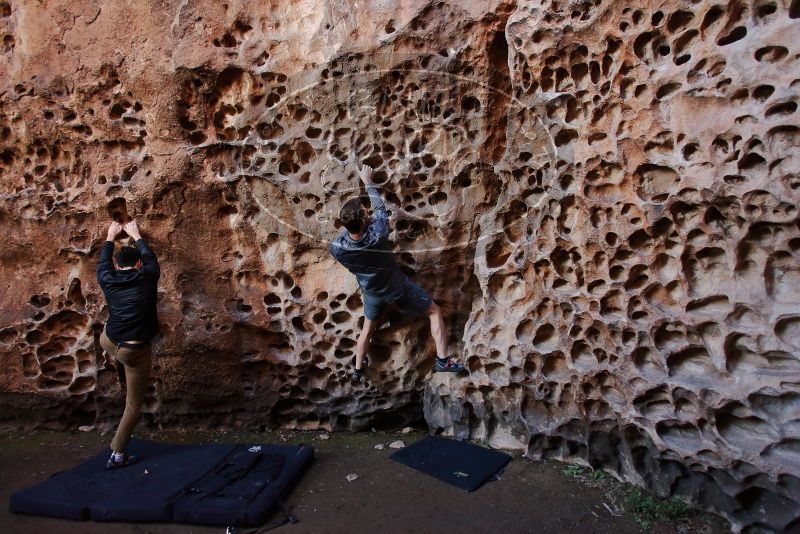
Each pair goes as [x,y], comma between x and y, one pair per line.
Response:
[438,330]
[363,341]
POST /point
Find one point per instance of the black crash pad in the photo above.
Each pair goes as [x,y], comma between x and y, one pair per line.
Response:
[225,484]
[464,465]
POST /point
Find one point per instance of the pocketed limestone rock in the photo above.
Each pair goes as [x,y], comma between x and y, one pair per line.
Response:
[602,197]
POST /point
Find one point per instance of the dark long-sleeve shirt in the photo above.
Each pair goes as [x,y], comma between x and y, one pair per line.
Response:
[131,295]
[371,258]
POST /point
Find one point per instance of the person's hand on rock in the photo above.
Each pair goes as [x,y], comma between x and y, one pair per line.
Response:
[114,230]
[365,175]
[132,229]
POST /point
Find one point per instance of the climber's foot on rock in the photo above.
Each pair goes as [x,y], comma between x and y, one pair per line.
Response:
[358,374]
[448,365]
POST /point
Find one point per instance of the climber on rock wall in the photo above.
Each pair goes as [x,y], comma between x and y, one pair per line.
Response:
[129,283]
[364,249]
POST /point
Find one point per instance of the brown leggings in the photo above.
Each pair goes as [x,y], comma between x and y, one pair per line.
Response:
[137,375]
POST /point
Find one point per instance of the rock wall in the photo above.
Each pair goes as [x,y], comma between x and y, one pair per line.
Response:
[601,196]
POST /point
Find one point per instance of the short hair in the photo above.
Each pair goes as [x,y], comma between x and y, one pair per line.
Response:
[127,256]
[352,215]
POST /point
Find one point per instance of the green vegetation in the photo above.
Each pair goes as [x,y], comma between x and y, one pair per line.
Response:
[577,471]
[598,475]
[574,471]
[646,508]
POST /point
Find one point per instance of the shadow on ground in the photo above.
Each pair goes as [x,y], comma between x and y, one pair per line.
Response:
[386,497]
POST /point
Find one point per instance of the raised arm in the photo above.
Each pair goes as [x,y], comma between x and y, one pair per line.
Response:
[104,264]
[380,217]
[149,260]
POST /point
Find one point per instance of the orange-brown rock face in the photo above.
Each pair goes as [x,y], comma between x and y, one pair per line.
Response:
[601,195]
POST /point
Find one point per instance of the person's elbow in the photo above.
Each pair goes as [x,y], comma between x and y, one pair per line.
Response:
[154,270]
[382,229]
[381,217]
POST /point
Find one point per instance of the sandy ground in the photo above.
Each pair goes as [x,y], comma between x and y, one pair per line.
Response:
[386,497]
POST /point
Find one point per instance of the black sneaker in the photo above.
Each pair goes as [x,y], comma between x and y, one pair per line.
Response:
[358,374]
[127,459]
[448,365]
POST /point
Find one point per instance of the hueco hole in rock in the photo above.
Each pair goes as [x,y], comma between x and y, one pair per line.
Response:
[601,196]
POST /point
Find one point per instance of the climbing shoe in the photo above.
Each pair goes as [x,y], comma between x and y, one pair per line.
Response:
[358,374]
[448,365]
[120,460]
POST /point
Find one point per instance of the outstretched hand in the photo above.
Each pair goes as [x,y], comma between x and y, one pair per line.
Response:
[114,230]
[132,229]
[365,175]
[364,171]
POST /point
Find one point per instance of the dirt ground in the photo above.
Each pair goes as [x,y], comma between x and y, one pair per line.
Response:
[387,497]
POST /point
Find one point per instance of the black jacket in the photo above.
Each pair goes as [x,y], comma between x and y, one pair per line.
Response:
[131,295]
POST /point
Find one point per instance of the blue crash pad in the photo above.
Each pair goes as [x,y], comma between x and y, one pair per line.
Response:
[226,484]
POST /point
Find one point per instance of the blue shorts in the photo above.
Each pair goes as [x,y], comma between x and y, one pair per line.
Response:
[414,301]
